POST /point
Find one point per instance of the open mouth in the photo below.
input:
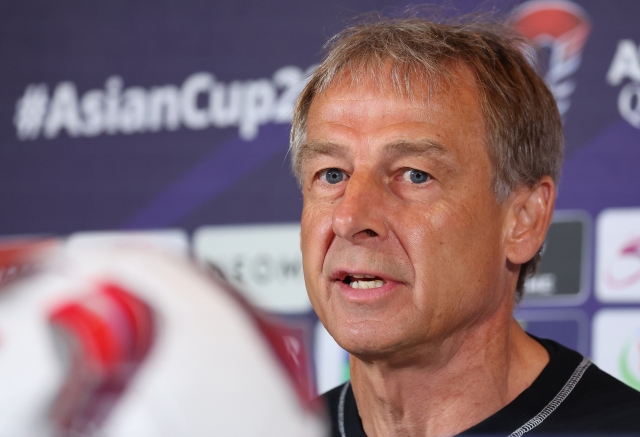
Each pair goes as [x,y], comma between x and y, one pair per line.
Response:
[363,281]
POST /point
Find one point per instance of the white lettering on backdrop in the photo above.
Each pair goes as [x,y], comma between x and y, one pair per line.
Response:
[626,65]
[199,103]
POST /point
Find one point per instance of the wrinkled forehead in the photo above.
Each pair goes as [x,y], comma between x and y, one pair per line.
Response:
[439,87]
[421,88]
[370,118]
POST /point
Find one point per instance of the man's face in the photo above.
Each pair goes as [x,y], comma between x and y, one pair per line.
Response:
[401,231]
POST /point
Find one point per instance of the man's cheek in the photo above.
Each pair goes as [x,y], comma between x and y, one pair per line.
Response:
[315,239]
[432,228]
[445,242]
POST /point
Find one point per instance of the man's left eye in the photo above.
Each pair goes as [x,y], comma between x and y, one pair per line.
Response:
[416,176]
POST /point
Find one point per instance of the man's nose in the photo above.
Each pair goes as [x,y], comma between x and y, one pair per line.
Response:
[361,211]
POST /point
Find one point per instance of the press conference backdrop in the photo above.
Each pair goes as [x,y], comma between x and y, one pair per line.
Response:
[171,120]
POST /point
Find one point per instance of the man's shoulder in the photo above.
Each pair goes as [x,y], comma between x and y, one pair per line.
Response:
[603,396]
[598,404]
[598,382]
[594,383]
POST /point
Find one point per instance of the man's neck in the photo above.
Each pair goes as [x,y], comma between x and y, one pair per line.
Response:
[481,374]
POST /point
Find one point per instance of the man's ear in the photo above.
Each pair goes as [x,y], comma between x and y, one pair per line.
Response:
[529,217]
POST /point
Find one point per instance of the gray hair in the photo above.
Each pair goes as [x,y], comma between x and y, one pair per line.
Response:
[524,128]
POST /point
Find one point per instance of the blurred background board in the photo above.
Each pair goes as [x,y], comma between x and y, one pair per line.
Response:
[126,116]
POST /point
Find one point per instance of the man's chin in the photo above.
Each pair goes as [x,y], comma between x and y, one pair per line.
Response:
[369,347]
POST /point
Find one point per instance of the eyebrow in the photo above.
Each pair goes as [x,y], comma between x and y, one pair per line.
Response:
[312,149]
[416,147]
[428,147]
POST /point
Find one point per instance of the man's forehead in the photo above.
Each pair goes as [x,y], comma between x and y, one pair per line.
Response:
[440,110]
[413,84]
[349,96]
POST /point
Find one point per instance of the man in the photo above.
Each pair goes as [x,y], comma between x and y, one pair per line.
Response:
[428,156]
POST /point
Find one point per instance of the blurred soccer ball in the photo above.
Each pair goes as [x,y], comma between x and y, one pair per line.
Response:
[136,342]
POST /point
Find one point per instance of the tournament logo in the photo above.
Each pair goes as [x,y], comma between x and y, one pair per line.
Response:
[560,29]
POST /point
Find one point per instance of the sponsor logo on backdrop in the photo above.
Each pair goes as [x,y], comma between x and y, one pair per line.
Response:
[263,261]
[618,255]
[616,344]
[561,278]
[629,361]
[628,276]
[626,66]
[560,29]
[541,284]
[200,102]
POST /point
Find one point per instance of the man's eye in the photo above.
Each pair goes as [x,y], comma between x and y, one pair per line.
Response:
[416,176]
[333,175]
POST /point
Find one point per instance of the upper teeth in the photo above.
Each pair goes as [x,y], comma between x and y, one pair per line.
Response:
[366,284]
[363,276]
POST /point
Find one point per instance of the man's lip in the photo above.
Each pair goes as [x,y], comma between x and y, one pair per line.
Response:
[368,296]
[342,274]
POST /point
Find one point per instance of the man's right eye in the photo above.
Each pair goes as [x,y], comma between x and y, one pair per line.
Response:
[332,175]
